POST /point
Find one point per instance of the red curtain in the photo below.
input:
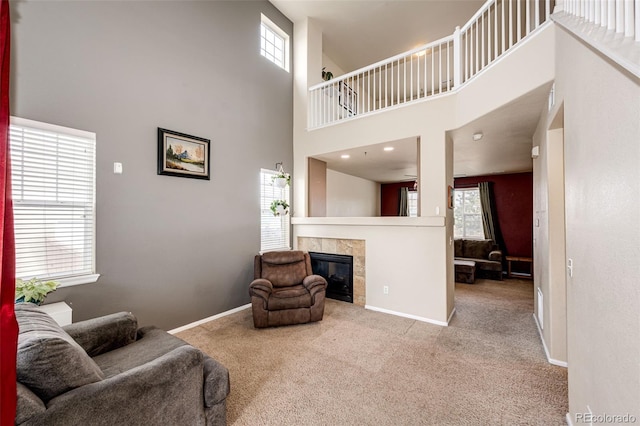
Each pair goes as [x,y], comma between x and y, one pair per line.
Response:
[8,325]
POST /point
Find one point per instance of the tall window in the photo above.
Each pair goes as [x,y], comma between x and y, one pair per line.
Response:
[274,43]
[467,214]
[413,203]
[274,230]
[53,181]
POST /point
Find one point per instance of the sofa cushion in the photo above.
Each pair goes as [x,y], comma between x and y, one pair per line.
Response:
[49,361]
[284,269]
[457,247]
[477,249]
[152,343]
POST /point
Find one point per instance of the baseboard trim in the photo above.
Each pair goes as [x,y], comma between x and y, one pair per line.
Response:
[569,421]
[401,314]
[546,350]
[214,317]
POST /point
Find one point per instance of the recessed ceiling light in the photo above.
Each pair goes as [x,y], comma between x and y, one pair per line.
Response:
[345,156]
[388,148]
[477,136]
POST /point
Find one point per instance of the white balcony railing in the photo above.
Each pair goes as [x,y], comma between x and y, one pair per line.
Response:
[430,70]
[622,16]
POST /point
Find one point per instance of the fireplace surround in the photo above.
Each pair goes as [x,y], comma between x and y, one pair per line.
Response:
[349,247]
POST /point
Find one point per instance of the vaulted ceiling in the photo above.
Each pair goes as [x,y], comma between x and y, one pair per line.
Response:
[357,33]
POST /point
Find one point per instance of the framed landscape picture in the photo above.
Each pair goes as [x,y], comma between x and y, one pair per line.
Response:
[182,155]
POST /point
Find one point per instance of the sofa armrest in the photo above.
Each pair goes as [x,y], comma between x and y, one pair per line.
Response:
[167,390]
[312,281]
[261,288]
[496,256]
[216,382]
[103,334]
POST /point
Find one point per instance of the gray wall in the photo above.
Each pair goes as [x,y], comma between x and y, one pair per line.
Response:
[171,250]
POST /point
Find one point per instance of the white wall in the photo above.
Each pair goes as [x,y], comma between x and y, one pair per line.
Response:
[351,196]
[602,177]
[549,233]
[404,254]
[429,121]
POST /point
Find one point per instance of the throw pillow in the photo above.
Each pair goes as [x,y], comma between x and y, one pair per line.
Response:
[49,361]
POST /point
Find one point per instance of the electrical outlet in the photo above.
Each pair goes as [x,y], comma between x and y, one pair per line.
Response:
[385,289]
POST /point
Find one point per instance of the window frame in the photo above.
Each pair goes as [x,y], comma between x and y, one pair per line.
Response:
[268,193]
[464,215]
[65,138]
[278,33]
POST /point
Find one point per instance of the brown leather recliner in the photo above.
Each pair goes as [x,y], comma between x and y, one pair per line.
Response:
[285,291]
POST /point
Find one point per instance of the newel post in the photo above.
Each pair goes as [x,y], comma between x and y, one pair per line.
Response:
[457,57]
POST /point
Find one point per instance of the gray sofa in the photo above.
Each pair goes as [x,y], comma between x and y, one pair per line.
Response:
[106,371]
[485,254]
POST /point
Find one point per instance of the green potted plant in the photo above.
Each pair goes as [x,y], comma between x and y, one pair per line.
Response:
[279,207]
[281,180]
[34,290]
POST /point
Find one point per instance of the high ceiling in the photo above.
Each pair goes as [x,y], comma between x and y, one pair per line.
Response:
[359,33]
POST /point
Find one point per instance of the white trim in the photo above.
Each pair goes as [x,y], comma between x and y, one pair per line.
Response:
[25,122]
[80,279]
[546,351]
[205,320]
[400,314]
[569,421]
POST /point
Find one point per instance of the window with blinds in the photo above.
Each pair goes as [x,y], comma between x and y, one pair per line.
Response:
[53,186]
[274,230]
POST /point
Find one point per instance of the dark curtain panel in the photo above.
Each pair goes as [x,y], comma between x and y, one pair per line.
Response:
[489,218]
[404,202]
[8,325]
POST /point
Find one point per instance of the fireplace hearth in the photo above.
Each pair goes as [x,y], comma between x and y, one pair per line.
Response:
[337,269]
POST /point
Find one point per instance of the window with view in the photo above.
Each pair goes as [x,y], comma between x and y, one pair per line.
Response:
[53,188]
[274,230]
[274,43]
[413,203]
[467,214]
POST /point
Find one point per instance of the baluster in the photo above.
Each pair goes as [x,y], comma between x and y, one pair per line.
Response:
[518,21]
[628,19]
[527,16]
[637,19]
[619,16]
[502,28]
[611,12]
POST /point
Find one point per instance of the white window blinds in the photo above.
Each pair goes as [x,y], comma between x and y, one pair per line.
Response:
[274,230]
[53,184]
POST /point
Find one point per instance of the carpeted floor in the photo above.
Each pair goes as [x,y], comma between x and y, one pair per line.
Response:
[359,367]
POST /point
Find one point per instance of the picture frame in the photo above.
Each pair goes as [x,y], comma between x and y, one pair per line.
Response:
[183,155]
[348,98]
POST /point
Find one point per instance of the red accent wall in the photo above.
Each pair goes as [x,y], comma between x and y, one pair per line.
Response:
[390,197]
[514,205]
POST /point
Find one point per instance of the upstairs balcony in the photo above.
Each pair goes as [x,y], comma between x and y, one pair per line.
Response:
[446,65]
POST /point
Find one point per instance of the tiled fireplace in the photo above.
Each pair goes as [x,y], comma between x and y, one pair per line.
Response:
[355,248]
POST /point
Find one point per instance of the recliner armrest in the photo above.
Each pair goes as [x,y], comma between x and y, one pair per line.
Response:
[312,281]
[495,255]
[261,288]
[104,334]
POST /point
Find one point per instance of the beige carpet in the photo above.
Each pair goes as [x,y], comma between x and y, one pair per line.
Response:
[359,367]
